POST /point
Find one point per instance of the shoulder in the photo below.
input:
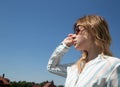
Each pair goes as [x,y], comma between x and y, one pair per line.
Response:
[112,61]
[111,58]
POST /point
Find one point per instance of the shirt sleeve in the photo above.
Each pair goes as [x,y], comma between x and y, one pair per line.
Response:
[54,65]
[114,78]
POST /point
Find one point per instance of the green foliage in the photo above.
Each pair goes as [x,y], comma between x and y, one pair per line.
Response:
[28,84]
[60,86]
[20,84]
[43,83]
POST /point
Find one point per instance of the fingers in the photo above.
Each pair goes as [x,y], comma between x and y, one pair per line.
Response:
[72,36]
[69,39]
[69,35]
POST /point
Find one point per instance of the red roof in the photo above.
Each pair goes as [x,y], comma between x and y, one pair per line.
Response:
[4,81]
[49,84]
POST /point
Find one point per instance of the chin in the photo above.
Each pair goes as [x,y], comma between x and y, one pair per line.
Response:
[78,48]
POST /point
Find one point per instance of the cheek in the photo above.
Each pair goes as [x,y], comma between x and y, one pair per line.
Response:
[83,41]
[82,38]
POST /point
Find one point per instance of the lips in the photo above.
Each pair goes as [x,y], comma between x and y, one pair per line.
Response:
[74,43]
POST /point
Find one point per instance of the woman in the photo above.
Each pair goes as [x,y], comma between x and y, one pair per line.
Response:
[96,67]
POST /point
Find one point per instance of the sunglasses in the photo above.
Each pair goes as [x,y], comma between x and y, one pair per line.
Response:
[78,28]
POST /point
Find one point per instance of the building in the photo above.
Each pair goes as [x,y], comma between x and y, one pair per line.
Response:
[4,82]
[49,84]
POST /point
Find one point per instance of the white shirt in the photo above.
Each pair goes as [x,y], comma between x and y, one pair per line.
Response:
[102,71]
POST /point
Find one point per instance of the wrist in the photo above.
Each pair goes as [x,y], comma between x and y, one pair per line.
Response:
[66,44]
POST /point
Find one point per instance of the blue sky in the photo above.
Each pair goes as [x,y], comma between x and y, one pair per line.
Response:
[31,29]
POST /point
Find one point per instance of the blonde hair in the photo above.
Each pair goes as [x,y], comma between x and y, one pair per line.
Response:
[98,27]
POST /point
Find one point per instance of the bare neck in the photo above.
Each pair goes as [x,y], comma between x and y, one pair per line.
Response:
[93,52]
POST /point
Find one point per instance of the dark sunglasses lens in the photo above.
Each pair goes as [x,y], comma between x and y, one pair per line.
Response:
[77,30]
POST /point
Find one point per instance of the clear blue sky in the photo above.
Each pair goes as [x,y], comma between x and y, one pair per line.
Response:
[31,29]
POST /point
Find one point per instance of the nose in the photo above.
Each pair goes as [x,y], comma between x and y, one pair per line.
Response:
[74,36]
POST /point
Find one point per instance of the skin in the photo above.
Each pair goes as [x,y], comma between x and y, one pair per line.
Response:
[83,41]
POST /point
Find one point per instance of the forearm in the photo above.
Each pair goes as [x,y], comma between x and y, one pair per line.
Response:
[54,61]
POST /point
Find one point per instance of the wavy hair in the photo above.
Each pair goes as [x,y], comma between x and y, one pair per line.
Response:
[98,27]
